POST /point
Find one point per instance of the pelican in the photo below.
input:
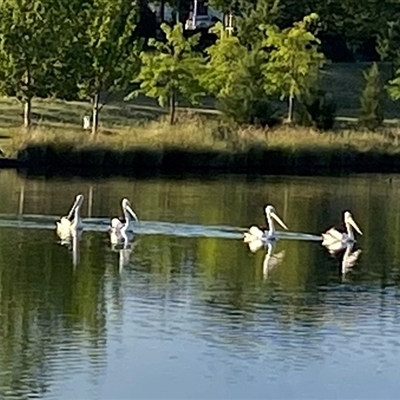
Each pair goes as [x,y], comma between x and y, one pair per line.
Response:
[336,240]
[120,228]
[71,224]
[255,233]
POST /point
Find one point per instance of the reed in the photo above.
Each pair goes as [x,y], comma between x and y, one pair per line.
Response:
[200,143]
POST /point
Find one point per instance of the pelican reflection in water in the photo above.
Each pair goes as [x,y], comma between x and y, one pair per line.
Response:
[122,228]
[336,239]
[124,249]
[71,224]
[271,259]
[350,257]
[265,235]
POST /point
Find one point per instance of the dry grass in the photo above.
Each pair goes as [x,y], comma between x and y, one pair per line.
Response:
[129,125]
[193,132]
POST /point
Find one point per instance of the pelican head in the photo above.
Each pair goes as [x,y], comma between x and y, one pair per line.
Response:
[349,221]
[271,213]
[76,206]
[127,208]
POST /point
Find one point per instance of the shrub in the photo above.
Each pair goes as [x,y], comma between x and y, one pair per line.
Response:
[318,110]
[371,116]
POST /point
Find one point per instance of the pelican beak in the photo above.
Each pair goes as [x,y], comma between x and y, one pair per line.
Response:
[72,210]
[279,221]
[355,226]
[134,216]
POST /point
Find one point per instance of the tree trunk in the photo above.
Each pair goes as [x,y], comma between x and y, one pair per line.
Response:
[27,99]
[27,113]
[162,11]
[172,108]
[95,114]
[178,9]
[291,109]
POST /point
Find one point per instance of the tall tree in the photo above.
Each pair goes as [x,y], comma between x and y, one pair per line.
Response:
[234,76]
[31,32]
[294,61]
[173,70]
[108,49]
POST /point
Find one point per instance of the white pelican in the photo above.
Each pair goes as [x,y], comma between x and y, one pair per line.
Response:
[120,228]
[255,233]
[71,224]
[336,239]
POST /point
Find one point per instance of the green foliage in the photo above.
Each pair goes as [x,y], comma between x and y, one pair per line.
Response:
[106,52]
[394,86]
[371,116]
[252,19]
[172,70]
[224,57]
[31,36]
[318,110]
[294,60]
[234,76]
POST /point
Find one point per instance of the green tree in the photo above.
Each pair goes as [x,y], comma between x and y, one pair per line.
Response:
[31,41]
[172,70]
[252,20]
[294,61]
[223,58]
[234,76]
[108,50]
[371,115]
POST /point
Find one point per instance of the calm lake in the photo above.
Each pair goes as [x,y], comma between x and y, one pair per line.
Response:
[187,310]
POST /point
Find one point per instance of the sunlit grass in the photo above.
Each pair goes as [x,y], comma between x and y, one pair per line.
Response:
[126,126]
[193,132]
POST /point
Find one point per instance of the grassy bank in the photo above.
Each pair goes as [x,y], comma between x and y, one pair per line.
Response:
[136,135]
[200,143]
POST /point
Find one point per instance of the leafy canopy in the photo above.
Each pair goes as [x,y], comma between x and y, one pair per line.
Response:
[172,69]
[294,59]
[107,49]
[31,41]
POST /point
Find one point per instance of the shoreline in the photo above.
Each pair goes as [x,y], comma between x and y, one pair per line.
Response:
[253,161]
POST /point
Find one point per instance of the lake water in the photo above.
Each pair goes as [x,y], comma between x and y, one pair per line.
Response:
[187,311]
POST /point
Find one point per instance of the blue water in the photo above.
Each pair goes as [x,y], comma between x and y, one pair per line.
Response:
[187,311]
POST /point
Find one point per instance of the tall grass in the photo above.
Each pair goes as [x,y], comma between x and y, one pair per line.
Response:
[194,132]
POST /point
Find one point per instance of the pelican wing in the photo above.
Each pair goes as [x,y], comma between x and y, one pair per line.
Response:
[332,236]
[116,224]
[255,245]
[64,228]
[254,233]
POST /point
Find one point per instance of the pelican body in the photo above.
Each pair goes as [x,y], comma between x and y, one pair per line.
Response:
[120,228]
[257,234]
[71,224]
[335,240]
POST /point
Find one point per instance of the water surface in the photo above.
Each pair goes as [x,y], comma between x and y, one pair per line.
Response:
[188,311]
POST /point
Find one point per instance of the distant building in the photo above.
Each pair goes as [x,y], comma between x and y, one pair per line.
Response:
[193,14]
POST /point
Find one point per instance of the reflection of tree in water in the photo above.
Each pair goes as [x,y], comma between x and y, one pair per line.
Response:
[48,311]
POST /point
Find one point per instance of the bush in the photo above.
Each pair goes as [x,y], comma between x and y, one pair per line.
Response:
[318,110]
[249,111]
[371,116]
